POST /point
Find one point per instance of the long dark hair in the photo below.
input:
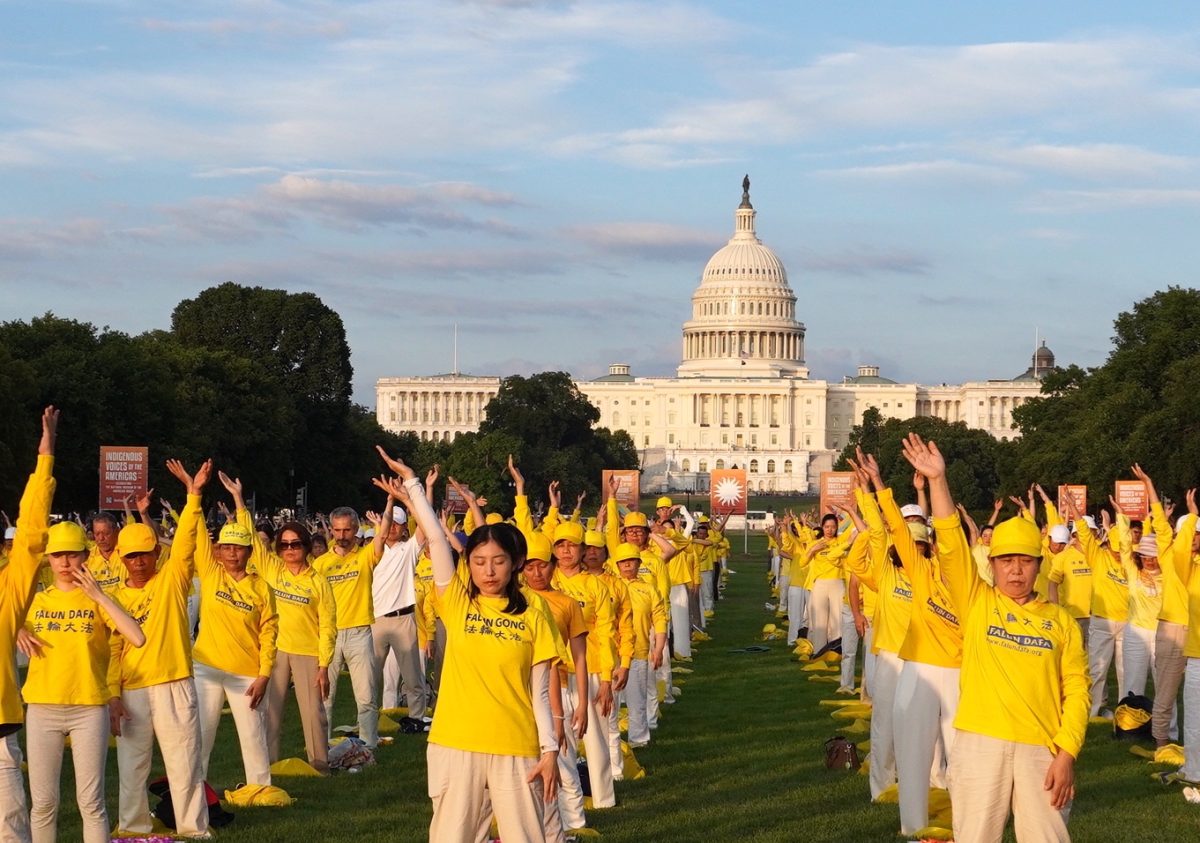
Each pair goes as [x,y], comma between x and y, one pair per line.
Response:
[512,543]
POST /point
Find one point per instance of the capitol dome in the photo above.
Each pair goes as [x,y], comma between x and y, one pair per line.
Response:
[743,313]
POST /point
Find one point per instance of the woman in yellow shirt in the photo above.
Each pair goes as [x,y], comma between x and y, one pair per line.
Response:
[493,731]
[1023,709]
[234,653]
[824,559]
[67,691]
[649,626]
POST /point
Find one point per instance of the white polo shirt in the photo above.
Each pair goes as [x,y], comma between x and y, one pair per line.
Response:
[392,586]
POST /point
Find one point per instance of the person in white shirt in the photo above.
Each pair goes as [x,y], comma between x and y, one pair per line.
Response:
[394,595]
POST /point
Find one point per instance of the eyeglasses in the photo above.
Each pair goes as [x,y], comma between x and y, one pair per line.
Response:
[296,545]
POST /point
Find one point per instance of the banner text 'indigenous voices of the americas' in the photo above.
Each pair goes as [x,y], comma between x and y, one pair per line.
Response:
[123,473]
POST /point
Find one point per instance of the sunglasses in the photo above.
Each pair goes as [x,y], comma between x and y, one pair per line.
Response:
[296,545]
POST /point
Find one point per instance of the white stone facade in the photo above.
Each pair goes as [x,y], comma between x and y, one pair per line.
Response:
[741,397]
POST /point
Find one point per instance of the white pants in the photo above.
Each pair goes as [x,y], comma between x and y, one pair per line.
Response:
[989,778]
[706,590]
[785,582]
[825,612]
[612,733]
[636,700]
[1105,643]
[663,674]
[849,647]
[1191,721]
[215,687]
[169,712]
[883,747]
[797,609]
[14,816]
[681,623]
[461,786]
[398,656]
[926,701]
[775,560]
[1139,657]
[570,790]
[868,679]
[46,726]
[355,648]
[595,740]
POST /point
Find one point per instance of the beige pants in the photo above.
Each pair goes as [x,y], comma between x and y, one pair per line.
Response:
[14,815]
[398,636]
[825,611]
[990,778]
[356,650]
[215,687]
[302,671]
[87,726]
[1168,675]
[170,713]
[1105,644]
[459,781]
[922,712]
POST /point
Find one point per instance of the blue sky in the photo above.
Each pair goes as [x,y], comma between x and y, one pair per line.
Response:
[939,179]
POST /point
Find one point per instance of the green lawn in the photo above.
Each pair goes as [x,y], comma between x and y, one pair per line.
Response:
[738,758]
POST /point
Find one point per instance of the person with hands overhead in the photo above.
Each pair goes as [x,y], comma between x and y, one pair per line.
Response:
[154,691]
[926,696]
[493,730]
[1144,578]
[827,588]
[235,651]
[307,629]
[18,579]
[66,637]
[1023,708]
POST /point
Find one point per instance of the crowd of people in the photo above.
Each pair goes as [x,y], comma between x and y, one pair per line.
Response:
[986,651]
[510,638]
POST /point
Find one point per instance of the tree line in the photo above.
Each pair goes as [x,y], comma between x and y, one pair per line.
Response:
[260,380]
[1087,427]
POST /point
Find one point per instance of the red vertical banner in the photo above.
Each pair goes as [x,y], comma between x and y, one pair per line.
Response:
[837,487]
[123,472]
[1131,497]
[628,486]
[727,491]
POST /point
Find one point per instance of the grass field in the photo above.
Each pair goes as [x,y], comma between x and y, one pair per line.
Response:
[738,758]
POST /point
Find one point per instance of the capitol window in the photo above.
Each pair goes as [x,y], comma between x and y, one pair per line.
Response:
[770,466]
[720,464]
[754,466]
[787,466]
[687,465]
[703,466]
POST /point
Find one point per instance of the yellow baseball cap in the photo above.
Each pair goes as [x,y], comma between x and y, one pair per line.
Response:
[593,538]
[635,519]
[625,550]
[569,531]
[664,501]
[136,538]
[66,537]
[234,534]
[538,547]
[493,518]
[1016,536]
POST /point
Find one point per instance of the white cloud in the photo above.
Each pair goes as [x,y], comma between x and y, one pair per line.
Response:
[1072,201]
[653,240]
[941,170]
[1096,161]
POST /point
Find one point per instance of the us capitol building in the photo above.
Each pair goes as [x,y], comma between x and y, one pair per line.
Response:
[741,396]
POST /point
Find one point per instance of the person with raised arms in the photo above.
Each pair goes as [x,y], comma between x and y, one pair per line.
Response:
[234,653]
[18,578]
[1023,709]
[66,636]
[493,729]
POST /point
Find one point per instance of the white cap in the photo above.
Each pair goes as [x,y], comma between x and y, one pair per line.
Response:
[911,510]
[1148,546]
[1060,534]
[1090,521]
[1178,522]
[10,533]
[399,516]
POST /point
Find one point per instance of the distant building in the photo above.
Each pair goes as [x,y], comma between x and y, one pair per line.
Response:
[741,395]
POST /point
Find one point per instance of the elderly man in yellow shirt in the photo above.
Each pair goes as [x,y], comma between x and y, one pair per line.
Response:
[157,697]
[17,581]
[103,560]
[349,569]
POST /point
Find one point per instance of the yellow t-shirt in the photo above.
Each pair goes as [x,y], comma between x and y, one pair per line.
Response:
[569,619]
[1145,597]
[1174,576]
[1070,568]
[595,602]
[110,573]
[872,563]
[934,633]
[826,564]
[1024,673]
[649,613]
[238,622]
[160,608]
[1110,586]
[485,702]
[654,571]
[622,615]
[73,667]
[983,562]
[18,578]
[684,566]
[350,578]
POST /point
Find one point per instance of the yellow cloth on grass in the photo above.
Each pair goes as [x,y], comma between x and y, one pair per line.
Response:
[293,767]
[387,725]
[259,795]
